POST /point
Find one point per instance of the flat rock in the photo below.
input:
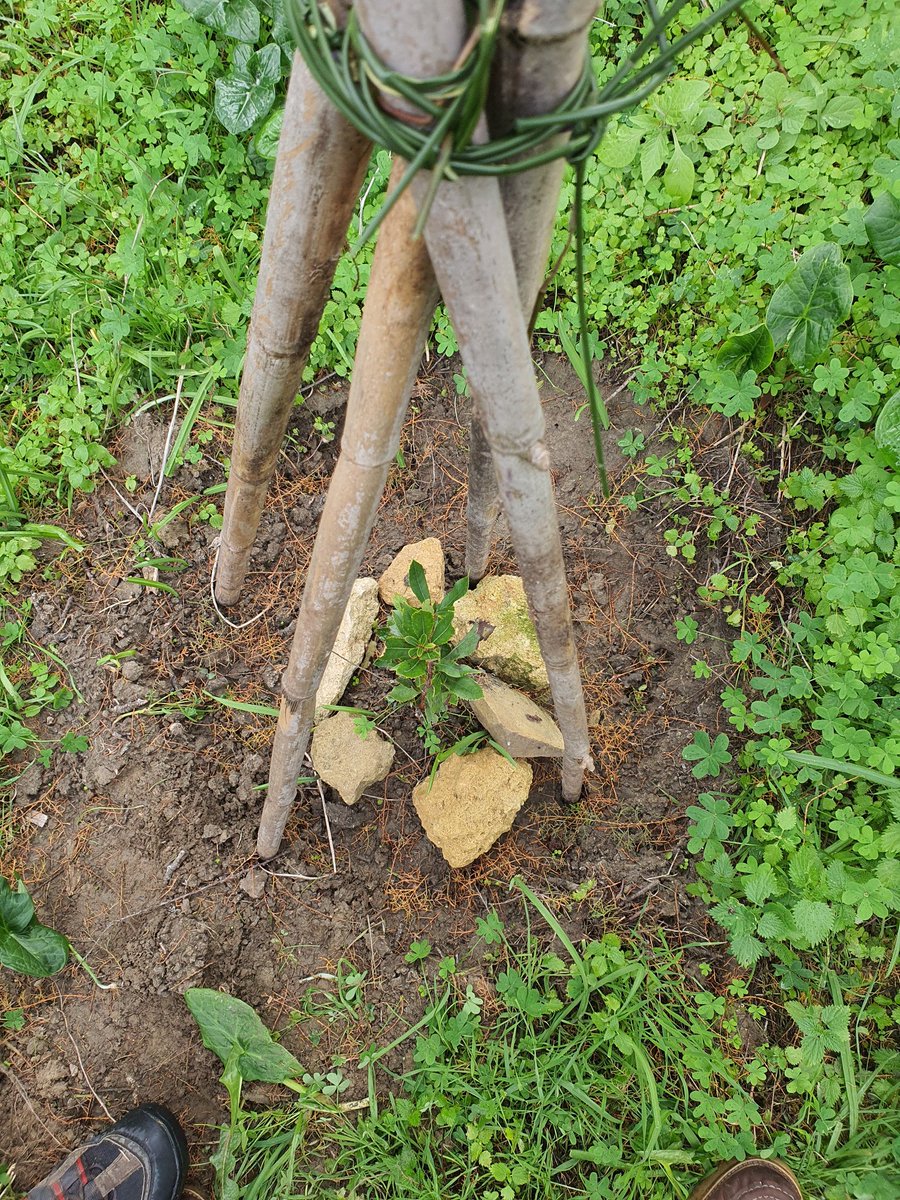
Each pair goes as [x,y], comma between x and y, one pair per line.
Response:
[472,801]
[508,646]
[350,645]
[515,721]
[395,580]
[347,762]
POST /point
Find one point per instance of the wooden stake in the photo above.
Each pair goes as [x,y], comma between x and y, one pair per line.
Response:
[320,167]
[539,59]
[397,313]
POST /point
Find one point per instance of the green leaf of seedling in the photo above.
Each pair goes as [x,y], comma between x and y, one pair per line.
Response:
[750,351]
[678,179]
[458,590]
[265,143]
[27,946]
[418,951]
[882,221]
[237,19]
[468,643]
[807,308]
[620,146]
[814,920]
[417,582]
[247,92]
[156,584]
[464,689]
[402,694]
[709,757]
[233,1031]
[887,426]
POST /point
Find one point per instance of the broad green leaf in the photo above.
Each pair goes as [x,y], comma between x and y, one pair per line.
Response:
[882,220]
[16,907]
[752,350]
[266,141]
[680,102]
[247,92]
[653,154]
[807,308]
[717,138]
[418,584]
[228,1024]
[468,643]
[238,19]
[842,111]
[37,951]
[465,688]
[747,949]
[887,427]
[26,945]
[678,179]
[458,590]
[762,884]
[619,146]
[814,920]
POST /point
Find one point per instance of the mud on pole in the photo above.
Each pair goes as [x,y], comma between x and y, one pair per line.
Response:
[318,172]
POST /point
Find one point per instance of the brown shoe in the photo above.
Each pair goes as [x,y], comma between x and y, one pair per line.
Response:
[753,1179]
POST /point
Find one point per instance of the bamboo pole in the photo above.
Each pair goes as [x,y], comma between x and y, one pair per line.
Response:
[467,239]
[320,167]
[539,58]
[399,304]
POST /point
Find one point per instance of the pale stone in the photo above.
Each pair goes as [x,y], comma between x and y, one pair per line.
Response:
[472,801]
[395,581]
[508,646]
[346,761]
[517,723]
[254,883]
[350,644]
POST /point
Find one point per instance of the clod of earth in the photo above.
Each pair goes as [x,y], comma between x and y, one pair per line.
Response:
[471,802]
[350,644]
[395,580]
[347,762]
[515,721]
[508,646]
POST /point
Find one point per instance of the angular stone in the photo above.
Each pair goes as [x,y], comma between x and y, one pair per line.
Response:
[508,646]
[347,762]
[472,801]
[254,883]
[395,580]
[350,645]
[516,722]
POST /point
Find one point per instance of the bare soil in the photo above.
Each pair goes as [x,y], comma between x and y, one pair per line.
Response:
[150,832]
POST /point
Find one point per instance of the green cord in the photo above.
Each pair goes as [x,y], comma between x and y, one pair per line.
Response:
[353,78]
[599,415]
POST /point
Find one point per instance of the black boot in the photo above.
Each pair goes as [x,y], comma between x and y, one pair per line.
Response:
[142,1157]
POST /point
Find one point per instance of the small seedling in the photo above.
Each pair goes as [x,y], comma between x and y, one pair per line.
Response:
[418,951]
[27,946]
[418,648]
[708,757]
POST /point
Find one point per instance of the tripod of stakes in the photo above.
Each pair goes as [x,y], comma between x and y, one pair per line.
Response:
[484,250]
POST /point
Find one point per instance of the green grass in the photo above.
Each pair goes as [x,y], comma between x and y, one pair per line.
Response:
[545,1070]
[130,229]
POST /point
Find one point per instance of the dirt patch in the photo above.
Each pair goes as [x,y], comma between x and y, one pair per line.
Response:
[151,831]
